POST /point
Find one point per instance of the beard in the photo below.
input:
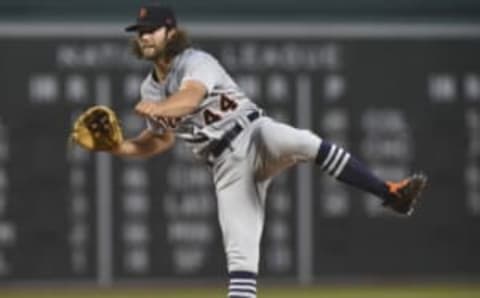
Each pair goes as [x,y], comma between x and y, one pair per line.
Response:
[176,45]
[146,52]
[151,53]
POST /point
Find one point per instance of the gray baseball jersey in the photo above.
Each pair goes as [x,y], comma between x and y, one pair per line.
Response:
[223,103]
[260,149]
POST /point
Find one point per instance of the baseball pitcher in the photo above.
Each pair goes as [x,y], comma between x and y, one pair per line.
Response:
[188,95]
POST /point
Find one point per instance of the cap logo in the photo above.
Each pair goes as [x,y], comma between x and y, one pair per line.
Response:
[142,13]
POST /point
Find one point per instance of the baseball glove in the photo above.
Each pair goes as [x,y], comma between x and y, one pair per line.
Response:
[97,129]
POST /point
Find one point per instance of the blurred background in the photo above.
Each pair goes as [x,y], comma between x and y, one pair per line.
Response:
[395,82]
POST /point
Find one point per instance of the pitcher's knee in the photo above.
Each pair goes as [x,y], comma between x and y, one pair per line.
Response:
[307,144]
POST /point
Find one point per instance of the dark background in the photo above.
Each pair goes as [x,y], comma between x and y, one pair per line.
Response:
[246,10]
[164,218]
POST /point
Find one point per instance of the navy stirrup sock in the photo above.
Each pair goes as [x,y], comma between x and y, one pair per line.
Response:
[340,164]
[243,284]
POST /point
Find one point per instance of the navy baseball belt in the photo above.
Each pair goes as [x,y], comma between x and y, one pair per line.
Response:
[230,135]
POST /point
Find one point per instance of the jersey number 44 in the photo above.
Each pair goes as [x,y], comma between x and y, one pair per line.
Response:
[226,105]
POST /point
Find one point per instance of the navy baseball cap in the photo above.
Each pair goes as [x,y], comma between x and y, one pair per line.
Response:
[154,16]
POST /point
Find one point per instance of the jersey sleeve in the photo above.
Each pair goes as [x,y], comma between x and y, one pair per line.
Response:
[204,69]
[151,124]
[154,126]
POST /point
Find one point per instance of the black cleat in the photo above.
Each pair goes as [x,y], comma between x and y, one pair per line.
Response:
[404,194]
